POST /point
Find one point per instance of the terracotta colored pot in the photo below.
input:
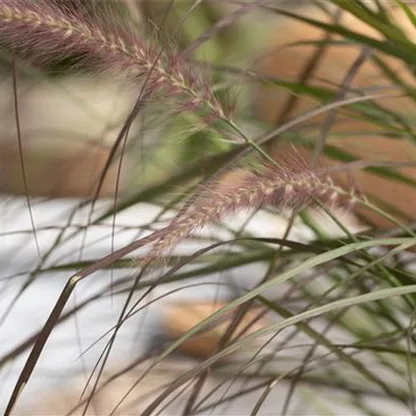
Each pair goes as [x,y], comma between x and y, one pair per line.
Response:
[181,317]
[73,171]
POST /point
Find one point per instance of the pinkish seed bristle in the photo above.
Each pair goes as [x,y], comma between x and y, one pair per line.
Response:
[271,185]
[42,32]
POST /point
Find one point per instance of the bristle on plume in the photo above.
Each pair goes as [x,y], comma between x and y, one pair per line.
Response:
[287,186]
[42,32]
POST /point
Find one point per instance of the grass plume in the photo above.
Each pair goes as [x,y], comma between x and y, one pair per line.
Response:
[42,33]
[287,186]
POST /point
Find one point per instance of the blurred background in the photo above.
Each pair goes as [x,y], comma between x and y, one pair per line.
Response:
[271,69]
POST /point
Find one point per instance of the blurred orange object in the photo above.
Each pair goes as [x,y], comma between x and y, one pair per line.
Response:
[73,171]
[359,138]
[182,316]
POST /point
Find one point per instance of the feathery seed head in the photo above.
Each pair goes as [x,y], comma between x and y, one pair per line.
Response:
[268,185]
[43,33]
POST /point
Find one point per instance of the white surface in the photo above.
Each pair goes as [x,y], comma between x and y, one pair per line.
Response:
[18,254]
[60,361]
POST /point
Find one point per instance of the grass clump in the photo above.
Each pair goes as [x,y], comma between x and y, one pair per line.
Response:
[346,303]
